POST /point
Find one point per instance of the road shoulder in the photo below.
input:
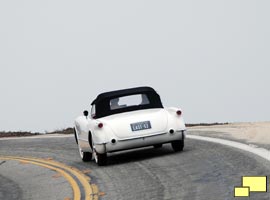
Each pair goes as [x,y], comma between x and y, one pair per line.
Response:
[255,134]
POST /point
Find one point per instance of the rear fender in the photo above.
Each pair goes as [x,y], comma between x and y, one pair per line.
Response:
[81,128]
[100,135]
[175,121]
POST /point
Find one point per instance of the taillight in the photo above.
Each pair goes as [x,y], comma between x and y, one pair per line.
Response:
[100,125]
[179,112]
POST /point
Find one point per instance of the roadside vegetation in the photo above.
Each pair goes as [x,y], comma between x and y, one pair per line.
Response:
[25,133]
[206,124]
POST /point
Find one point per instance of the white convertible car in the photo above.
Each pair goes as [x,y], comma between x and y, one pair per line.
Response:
[127,119]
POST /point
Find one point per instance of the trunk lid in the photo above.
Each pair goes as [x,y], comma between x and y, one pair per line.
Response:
[120,124]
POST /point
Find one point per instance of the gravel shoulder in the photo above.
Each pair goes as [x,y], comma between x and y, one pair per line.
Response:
[255,133]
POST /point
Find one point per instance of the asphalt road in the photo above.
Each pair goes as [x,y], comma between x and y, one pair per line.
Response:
[203,171]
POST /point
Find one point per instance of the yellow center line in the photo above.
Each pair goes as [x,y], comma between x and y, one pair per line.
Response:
[91,192]
[73,183]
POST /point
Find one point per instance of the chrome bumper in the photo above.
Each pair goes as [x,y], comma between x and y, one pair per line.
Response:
[120,145]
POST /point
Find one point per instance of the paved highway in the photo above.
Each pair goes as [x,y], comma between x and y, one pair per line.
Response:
[39,169]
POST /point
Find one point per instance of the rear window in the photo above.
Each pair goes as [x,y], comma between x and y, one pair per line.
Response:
[129,101]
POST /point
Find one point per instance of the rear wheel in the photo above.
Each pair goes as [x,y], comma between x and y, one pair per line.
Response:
[85,156]
[75,135]
[178,145]
[100,159]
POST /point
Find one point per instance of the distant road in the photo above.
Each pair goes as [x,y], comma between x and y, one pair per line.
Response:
[202,171]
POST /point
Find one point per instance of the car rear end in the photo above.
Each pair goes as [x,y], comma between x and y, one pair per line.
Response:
[140,128]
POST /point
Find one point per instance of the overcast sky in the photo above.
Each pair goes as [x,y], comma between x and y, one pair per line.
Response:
[211,58]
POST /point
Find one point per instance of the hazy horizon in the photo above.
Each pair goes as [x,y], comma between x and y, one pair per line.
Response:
[210,58]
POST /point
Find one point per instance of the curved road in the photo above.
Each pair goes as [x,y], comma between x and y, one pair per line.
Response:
[202,171]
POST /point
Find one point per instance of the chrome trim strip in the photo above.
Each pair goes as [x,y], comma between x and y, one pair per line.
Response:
[134,138]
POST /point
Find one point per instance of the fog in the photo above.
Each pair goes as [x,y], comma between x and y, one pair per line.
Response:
[210,58]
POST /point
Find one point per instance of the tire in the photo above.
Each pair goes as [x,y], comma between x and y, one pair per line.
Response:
[100,159]
[75,135]
[85,156]
[157,146]
[178,145]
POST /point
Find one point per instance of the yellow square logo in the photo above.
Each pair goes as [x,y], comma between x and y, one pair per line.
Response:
[255,184]
[241,192]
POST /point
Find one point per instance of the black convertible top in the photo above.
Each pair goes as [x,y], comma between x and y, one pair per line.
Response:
[102,102]
[124,92]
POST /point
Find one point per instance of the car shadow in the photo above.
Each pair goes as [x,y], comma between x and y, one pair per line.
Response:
[136,155]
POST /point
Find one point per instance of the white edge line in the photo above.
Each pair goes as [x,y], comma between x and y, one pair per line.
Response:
[261,152]
[36,137]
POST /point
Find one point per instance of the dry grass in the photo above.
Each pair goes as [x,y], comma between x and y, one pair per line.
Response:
[16,134]
[207,124]
[63,131]
[26,133]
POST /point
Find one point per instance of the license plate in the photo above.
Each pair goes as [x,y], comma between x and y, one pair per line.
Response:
[140,126]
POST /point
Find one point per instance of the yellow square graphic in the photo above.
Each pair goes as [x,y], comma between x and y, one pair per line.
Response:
[256,183]
[241,191]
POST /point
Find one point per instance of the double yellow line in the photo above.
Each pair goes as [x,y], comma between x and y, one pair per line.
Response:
[90,190]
